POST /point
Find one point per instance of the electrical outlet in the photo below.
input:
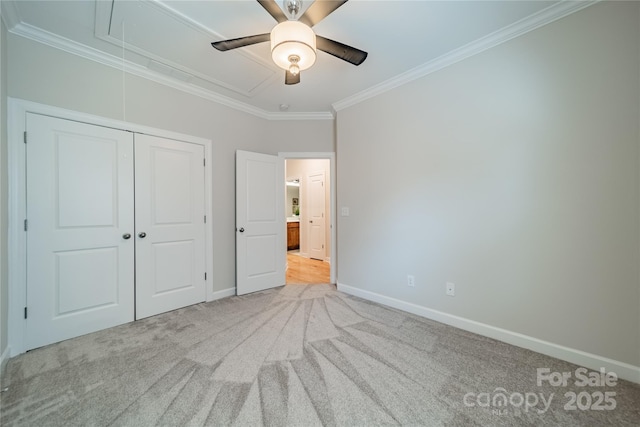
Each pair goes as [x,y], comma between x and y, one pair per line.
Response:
[411,281]
[451,289]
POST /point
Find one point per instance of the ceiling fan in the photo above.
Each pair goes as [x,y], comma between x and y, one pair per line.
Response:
[293,42]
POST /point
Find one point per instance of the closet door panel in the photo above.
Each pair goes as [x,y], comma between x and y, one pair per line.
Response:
[80,266]
[170,225]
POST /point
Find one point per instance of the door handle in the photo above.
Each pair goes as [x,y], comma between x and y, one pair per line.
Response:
[241,230]
[142,235]
[126,236]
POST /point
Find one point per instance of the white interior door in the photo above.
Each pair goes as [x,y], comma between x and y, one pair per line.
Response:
[260,222]
[170,225]
[80,260]
[316,217]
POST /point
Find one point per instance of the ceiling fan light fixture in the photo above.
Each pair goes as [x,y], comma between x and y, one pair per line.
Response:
[293,38]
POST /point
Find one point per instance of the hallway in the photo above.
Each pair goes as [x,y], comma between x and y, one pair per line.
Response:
[306,271]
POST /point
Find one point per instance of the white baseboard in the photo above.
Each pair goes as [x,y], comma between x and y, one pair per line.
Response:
[229,292]
[579,357]
[4,359]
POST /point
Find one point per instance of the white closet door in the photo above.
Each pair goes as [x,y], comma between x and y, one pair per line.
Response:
[170,225]
[80,263]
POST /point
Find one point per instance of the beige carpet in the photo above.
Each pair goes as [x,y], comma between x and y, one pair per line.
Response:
[299,356]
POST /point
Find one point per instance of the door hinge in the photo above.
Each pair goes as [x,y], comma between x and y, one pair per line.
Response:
[204,162]
[25,136]
[205,219]
[205,276]
[26,225]
[25,312]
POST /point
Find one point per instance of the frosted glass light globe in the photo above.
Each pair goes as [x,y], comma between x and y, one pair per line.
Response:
[293,38]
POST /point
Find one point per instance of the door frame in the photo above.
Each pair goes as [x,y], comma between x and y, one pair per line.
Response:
[332,199]
[17,206]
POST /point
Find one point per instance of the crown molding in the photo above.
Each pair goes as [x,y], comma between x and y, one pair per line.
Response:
[53,40]
[525,25]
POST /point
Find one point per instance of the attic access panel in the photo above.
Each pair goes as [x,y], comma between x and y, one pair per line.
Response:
[157,32]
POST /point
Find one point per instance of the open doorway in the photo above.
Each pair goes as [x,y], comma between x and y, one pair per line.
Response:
[308,208]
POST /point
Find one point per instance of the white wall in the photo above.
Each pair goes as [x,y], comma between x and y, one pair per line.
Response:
[513,174]
[302,168]
[42,74]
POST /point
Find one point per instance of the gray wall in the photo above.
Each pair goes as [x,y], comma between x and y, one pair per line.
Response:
[513,174]
[41,74]
[4,283]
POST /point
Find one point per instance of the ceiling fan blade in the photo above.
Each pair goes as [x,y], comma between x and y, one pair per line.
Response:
[274,10]
[319,10]
[340,50]
[290,79]
[224,45]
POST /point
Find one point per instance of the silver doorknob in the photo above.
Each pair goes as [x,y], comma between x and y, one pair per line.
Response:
[142,235]
[126,236]
[241,230]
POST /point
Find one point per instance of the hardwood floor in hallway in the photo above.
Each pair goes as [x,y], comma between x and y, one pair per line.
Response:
[306,271]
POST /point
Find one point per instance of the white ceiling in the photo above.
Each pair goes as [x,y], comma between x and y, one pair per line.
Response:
[169,41]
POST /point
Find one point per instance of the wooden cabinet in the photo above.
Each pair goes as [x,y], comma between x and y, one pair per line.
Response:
[293,235]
